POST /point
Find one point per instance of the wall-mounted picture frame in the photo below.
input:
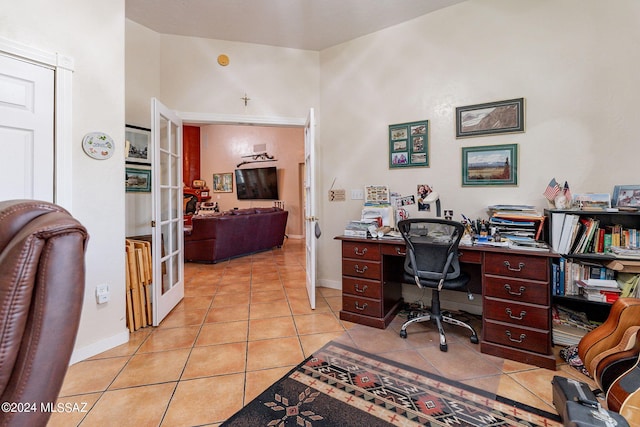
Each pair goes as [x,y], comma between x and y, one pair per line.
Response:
[137,180]
[490,118]
[490,165]
[409,144]
[222,182]
[626,196]
[137,145]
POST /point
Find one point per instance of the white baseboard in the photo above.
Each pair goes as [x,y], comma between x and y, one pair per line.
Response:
[333,284]
[80,354]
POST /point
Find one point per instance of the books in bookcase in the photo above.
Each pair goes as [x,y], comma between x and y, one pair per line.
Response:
[567,273]
[576,234]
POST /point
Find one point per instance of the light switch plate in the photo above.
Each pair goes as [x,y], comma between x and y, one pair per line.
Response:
[357,194]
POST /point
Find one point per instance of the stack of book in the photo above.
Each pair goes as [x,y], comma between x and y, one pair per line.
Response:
[602,290]
[516,220]
[569,326]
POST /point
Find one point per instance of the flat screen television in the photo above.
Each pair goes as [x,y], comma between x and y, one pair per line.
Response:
[257,183]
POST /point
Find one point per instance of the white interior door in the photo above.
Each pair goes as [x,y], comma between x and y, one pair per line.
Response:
[311,220]
[166,187]
[26,130]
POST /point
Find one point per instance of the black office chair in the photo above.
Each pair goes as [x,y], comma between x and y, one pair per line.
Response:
[432,262]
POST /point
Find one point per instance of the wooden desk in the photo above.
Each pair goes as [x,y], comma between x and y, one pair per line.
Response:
[515,287]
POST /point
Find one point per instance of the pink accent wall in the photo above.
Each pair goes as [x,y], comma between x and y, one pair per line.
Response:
[222,148]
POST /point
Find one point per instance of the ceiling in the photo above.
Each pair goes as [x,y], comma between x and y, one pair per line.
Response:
[300,24]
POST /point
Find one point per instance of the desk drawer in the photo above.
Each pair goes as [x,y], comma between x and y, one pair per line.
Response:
[363,306]
[362,287]
[365,269]
[518,314]
[360,250]
[394,250]
[522,266]
[471,257]
[517,290]
[513,336]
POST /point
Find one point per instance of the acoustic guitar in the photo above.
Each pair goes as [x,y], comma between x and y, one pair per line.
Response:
[630,409]
[623,387]
[627,342]
[625,313]
[607,375]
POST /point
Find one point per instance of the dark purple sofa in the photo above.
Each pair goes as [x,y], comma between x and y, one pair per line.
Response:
[213,238]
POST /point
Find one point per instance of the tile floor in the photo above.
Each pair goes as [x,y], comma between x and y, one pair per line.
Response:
[241,326]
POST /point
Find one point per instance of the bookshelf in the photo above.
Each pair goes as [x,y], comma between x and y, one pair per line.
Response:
[590,249]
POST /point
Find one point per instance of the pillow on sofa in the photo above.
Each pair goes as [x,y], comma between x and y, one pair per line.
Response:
[243,211]
[265,210]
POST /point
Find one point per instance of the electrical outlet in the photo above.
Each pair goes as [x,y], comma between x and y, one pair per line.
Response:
[102,293]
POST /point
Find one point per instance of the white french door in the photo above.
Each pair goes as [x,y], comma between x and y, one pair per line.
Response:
[26,130]
[310,206]
[166,179]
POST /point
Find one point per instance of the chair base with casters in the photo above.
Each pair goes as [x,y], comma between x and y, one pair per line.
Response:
[432,262]
[439,318]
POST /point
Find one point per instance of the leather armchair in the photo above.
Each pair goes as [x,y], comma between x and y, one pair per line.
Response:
[42,249]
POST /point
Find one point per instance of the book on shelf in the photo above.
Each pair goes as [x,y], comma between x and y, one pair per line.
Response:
[599,290]
[572,233]
[570,272]
[569,326]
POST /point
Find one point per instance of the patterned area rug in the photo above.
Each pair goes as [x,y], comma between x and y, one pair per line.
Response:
[341,386]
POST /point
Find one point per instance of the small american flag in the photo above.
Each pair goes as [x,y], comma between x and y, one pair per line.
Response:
[552,190]
[566,192]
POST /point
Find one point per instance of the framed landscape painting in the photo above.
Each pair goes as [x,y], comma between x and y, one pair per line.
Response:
[490,118]
[490,165]
[137,180]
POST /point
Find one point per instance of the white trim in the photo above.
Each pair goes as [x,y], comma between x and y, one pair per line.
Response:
[63,138]
[63,69]
[332,284]
[80,354]
[231,119]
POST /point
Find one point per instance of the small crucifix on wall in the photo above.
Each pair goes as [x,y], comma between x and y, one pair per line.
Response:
[245,99]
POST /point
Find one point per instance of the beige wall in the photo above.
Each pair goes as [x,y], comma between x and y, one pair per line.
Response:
[221,148]
[575,62]
[92,34]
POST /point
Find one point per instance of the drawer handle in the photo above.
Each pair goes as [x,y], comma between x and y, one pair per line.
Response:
[520,266]
[522,337]
[401,252]
[364,306]
[358,270]
[357,288]
[522,314]
[358,252]
[519,294]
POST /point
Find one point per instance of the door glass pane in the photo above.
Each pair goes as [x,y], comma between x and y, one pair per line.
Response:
[164,143]
[174,139]
[165,200]
[165,168]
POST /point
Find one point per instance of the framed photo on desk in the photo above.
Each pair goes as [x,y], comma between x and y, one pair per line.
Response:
[490,165]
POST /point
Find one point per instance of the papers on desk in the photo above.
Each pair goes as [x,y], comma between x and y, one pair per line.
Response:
[527,244]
